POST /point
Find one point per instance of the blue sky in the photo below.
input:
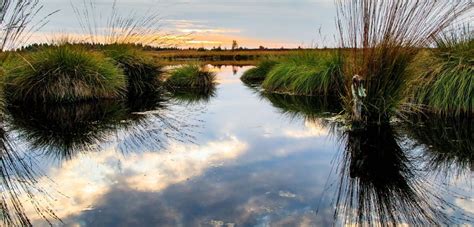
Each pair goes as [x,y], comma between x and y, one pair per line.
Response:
[271,23]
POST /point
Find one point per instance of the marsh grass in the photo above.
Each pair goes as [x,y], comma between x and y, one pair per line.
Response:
[17,22]
[112,26]
[307,73]
[384,36]
[63,74]
[259,73]
[143,74]
[445,74]
[191,76]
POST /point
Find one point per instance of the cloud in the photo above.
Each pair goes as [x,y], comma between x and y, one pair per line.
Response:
[314,128]
[150,172]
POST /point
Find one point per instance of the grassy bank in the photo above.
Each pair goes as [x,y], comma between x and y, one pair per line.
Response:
[260,72]
[445,82]
[306,73]
[252,55]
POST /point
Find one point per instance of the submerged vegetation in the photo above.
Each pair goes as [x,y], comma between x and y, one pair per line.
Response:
[62,74]
[191,77]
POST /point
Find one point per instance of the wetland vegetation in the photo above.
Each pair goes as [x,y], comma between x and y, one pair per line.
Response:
[152,119]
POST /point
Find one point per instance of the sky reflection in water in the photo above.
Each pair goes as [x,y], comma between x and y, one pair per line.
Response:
[239,157]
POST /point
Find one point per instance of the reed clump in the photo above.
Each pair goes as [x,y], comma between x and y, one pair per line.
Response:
[63,74]
[191,76]
[143,74]
[384,36]
[307,73]
[445,82]
[259,73]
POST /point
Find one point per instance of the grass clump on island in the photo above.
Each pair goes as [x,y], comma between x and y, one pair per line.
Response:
[141,71]
[63,73]
[445,84]
[307,73]
[259,73]
[192,77]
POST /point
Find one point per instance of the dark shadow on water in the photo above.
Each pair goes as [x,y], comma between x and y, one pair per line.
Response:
[447,143]
[63,131]
[379,184]
[302,106]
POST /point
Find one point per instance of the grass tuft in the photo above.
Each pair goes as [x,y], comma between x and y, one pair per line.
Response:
[62,74]
[307,73]
[259,73]
[141,71]
[384,36]
[191,77]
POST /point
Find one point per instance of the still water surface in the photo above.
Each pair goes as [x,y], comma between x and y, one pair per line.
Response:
[231,157]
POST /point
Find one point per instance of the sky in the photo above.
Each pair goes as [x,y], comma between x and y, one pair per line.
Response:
[213,23]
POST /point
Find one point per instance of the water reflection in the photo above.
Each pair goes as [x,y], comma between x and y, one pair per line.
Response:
[379,183]
[258,160]
[17,180]
[63,131]
[194,96]
[303,106]
[381,180]
[446,143]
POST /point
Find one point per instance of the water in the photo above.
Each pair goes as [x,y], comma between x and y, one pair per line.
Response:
[231,157]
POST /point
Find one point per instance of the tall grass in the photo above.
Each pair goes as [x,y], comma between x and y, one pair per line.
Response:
[141,71]
[111,26]
[17,22]
[191,76]
[307,73]
[260,72]
[384,36]
[445,75]
[63,74]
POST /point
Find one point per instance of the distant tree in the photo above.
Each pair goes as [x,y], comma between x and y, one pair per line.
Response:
[234,45]
[261,48]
